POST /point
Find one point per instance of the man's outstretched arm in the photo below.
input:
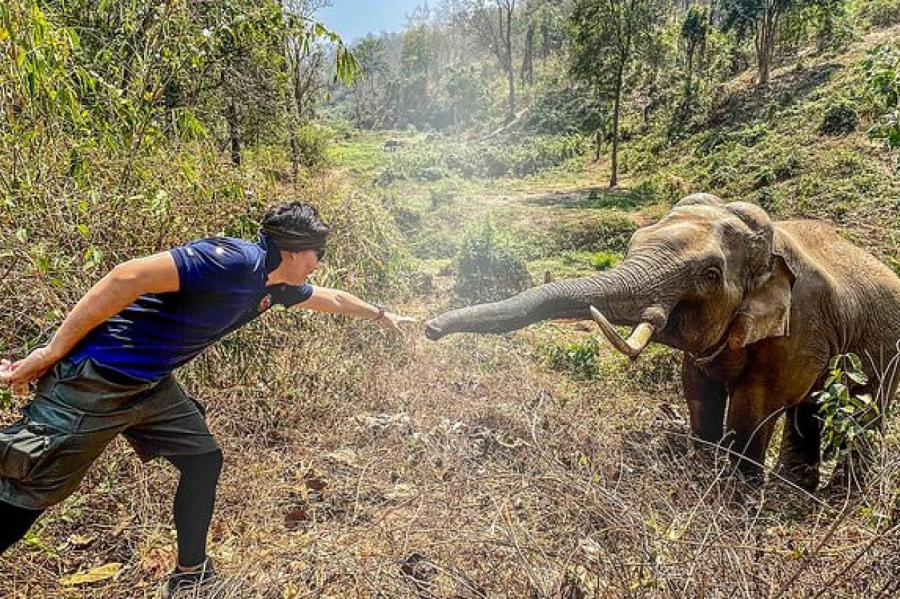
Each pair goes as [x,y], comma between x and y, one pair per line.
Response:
[109,296]
[335,301]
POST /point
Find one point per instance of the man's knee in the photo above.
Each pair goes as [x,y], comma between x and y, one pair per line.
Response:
[206,466]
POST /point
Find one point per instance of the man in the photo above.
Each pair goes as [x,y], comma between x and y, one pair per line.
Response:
[108,370]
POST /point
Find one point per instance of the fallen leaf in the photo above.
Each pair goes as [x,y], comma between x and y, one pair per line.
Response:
[95,575]
[81,541]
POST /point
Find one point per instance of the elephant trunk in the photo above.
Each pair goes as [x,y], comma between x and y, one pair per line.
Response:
[620,294]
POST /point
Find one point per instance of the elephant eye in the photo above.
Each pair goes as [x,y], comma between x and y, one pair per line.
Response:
[712,274]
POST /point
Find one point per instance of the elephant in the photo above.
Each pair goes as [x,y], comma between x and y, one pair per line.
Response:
[758,309]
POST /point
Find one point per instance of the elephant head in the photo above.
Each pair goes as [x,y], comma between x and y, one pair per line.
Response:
[706,276]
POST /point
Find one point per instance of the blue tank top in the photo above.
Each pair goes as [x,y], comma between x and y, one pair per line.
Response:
[222,287]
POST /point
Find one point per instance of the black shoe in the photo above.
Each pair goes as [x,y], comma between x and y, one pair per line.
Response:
[179,581]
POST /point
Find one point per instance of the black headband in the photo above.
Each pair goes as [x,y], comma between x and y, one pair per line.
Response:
[294,241]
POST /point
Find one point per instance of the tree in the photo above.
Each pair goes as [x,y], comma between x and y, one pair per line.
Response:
[493,22]
[694,28]
[607,37]
[761,17]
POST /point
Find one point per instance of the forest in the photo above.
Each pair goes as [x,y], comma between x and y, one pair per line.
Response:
[488,148]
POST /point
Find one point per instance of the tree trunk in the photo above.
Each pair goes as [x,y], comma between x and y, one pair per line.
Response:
[527,62]
[295,157]
[766,45]
[688,86]
[545,37]
[614,176]
[511,75]
[233,132]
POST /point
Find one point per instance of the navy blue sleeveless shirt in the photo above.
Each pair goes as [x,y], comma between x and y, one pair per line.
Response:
[222,287]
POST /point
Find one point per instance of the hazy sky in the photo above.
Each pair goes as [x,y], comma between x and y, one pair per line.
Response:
[355,18]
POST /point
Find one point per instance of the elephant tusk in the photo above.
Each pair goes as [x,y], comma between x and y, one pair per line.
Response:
[631,347]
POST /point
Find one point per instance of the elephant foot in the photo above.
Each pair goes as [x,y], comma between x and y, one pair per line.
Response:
[750,474]
[805,476]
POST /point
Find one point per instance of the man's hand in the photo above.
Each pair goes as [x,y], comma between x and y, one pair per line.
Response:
[391,322]
[18,374]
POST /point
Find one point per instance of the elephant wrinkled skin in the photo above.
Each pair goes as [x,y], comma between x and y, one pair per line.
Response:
[758,308]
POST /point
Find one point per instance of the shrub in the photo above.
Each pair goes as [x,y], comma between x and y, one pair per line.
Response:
[489,266]
[608,231]
[840,118]
[881,13]
[848,420]
[882,71]
[442,193]
[312,144]
[605,260]
[580,358]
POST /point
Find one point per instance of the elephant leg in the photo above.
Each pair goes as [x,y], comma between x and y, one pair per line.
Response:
[800,446]
[749,425]
[706,400]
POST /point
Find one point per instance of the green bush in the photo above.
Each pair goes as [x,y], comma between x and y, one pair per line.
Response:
[882,72]
[848,419]
[489,266]
[580,358]
[312,145]
[609,231]
[605,260]
[840,118]
[881,13]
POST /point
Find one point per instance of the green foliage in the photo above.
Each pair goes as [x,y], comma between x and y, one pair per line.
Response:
[849,420]
[312,145]
[434,160]
[579,358]
[840,118]
[882,72]
[605,231]
[605,260]
[489,266]
[880,13]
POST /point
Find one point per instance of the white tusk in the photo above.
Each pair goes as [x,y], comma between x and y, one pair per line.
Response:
[631,347]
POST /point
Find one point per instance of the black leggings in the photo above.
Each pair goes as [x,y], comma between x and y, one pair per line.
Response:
[194,501]
[14,523]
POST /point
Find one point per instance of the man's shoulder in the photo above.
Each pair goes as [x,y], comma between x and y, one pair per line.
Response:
[226,249]
[217,257]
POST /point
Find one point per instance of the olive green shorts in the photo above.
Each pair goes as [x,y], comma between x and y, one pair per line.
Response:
[75,413]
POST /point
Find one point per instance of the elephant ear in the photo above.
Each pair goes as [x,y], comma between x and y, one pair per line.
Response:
[766,310]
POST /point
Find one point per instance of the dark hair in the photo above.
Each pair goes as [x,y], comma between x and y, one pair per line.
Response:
[295,226]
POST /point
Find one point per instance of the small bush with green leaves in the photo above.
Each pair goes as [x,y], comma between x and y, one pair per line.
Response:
[604,231]
[312,145]
[848,419]
[881,13]
[840,118]
[882,71]
[604,260]
[489,265]
[579,358]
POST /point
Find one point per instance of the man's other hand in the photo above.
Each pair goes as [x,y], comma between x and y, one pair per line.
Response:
[391,322]
[18,374]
